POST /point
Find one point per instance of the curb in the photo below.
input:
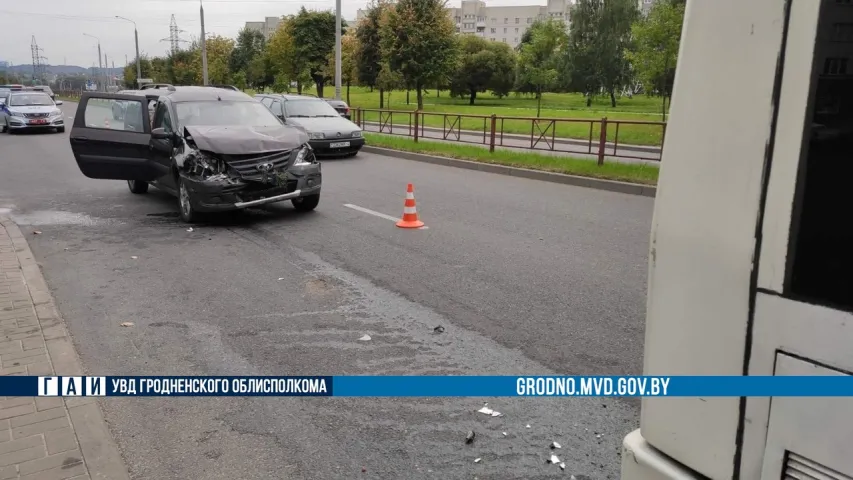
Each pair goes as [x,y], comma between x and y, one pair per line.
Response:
[100,452]
[587,182]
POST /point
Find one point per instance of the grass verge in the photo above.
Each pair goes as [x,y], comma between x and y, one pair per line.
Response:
[624,172]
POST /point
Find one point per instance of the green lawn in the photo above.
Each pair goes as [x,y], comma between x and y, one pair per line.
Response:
[554,105]
[634,173]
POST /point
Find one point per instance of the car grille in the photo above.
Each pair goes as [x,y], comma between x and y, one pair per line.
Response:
[247,165]
[36,115]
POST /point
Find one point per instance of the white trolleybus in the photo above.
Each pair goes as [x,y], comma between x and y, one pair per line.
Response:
[751,252]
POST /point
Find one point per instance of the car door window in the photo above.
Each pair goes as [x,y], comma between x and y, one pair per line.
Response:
[162,118]
[276,108]
[267,101]
[99,114]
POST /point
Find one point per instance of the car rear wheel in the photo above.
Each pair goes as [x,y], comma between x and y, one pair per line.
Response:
[306,203]
[188,214]
[137,186]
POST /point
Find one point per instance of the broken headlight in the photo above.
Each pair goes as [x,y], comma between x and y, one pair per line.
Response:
[206,165]
[304,156]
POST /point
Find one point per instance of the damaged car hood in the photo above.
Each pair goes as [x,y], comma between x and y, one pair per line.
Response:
[239,140]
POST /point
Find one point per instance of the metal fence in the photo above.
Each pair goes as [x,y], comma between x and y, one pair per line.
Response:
[594,137]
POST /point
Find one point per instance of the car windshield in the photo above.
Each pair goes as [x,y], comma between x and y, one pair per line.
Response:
[39,99]
[249,113]
[309,108]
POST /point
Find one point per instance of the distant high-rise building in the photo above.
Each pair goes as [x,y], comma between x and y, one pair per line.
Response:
[503,23]
[645,6]
[267,27]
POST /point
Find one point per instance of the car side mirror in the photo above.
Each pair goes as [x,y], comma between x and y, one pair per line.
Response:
[161,134]
[59,102]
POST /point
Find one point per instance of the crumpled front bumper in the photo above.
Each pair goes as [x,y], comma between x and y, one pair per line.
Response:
[223,193]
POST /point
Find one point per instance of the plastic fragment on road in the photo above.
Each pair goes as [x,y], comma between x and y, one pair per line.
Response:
[504,433]
[489,411]
[36,232]
[554,459]
[477,460]
[527,426]
[134,257]
[470,437]
[438,329]
[555,445]
[190,229]
[563,467]
[127,324]
[280,278]
[573,478]
[365,338]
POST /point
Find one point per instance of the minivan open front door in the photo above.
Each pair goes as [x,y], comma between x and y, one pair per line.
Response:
[107,148]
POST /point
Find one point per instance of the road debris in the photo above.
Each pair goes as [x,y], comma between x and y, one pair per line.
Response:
[127,324]
[363,469]
[504,433]
[527,426]
[563,467]
[365,338]
[470,437]
[190,229]
[134,257]
[555,445]
[280,278]
[573,478]
[36,232]
[489,411]
[438,329]
[477,460]
[554,459]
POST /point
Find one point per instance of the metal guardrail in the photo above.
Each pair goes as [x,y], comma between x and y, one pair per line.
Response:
[603,139]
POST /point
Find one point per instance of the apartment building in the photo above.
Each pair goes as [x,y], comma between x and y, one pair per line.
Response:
[504,24]
[270,24]
[267,27]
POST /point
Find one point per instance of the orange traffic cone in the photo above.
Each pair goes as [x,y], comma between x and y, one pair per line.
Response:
[410,213]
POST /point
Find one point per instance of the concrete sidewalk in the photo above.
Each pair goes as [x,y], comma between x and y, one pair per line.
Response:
[44,437]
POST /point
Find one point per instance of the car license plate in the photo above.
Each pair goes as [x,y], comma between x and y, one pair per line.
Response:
[339,145]
[38,121]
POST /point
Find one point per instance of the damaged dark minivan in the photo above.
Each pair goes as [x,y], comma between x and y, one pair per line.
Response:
[214,149]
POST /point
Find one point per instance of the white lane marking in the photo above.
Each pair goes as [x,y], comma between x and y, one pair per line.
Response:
[377,214]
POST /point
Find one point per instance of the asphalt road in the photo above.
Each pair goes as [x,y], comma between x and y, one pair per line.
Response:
[526,277]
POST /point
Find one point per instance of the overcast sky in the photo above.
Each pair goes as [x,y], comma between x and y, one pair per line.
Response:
[59,25]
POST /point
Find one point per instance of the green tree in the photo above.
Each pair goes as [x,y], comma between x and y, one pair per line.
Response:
[368,55]
[349,72]
[184,66]
[313,35]
[259,72]
[483,65]
[418,41]
[539,58]
[600,35]
[218,55]
[655,51]
[286,64]
[249,44]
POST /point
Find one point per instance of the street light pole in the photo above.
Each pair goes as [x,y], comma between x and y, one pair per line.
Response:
[203,45]
[100,65]
[338,50]
[136,40]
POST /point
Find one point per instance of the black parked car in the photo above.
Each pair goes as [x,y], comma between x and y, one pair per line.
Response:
[214,149]
[341,107]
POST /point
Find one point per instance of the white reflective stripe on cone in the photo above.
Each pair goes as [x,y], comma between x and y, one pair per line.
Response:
[410,196]
[409,210]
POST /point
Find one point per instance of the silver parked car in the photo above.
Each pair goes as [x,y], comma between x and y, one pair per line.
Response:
[330,133]
[30,110]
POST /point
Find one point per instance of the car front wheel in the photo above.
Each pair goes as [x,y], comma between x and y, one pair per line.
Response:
[306,203]
[137,186]
[188,214]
